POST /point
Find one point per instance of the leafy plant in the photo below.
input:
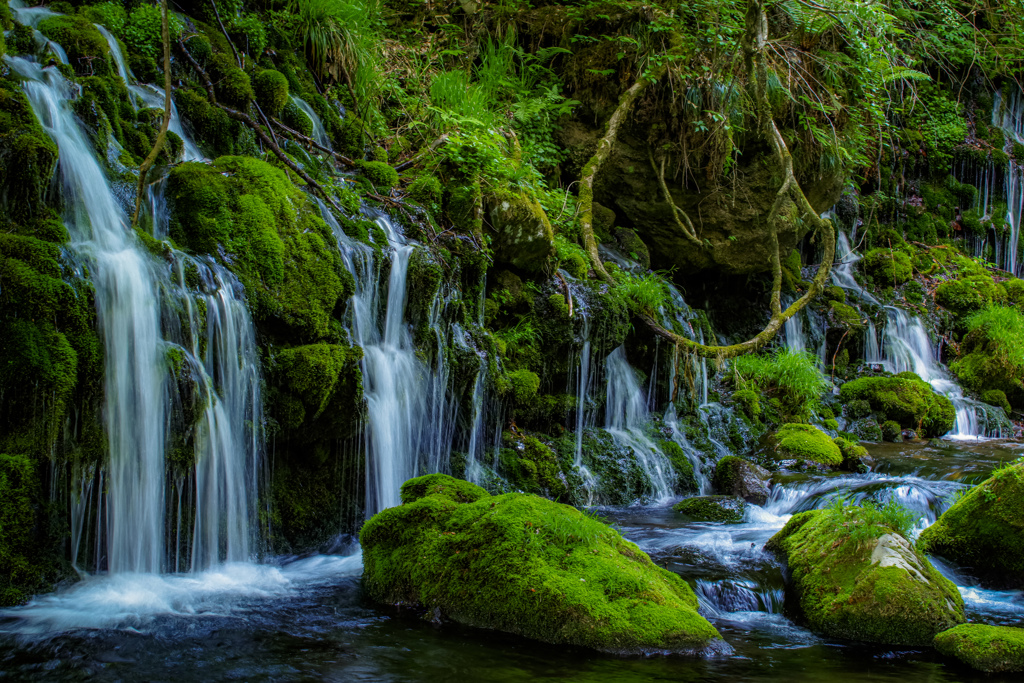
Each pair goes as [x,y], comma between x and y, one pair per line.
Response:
[791,376]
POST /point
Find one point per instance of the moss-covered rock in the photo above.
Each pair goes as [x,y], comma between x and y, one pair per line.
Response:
[905,399]
[521,232]
[735,476]
[270,235]
[854,577]
[525,565]
[803,443]
[984,530]
[891,431]
[887,267]
[271,89]
[728,509]
[87,49]
[855,456]
[530,465]
[992,649]
[996,397]
[27,157]
[380,175]
[235,88]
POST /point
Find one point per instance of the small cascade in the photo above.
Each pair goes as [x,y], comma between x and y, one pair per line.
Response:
[319,133]
[149,96]
[793,334]
[626,415]
[842,272]
[671,421]
[583,418]
[906,347]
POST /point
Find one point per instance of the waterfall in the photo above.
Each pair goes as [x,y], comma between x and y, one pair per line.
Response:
[1008,115]
[626,414]
[150,96]
[319,134]
[129,285]
[906,347]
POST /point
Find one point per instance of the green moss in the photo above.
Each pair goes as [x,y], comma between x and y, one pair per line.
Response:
[19,493]
[85,46]
[738,477]
[984,530]
[992,353]
[750,401]
[296,119]
[271,90]
[857,409]
[525,565]
[992,649]
[887,266]
[995,397]
[27,157]
[905,399]
[272,236]
[235,88]
[530,465]
[891,431]
[426,191]
[846,317]
[524,385]
[686,480]
[853,454]
[633,247]
[520,231]
[728,509]
[833,293]
[805,442]
[856,578]
[380,175]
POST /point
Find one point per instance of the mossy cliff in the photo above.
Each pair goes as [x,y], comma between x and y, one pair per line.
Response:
[984,530]
[855,577]
[525,565]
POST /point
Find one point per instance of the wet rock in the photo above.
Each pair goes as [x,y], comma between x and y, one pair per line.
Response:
[522,232]
[855,456]
[728,509]
[735,476]
[854,577]
[991,649]
[984,530]
[522,564]
[866,430]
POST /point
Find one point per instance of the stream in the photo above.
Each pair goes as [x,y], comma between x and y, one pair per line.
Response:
[305,618]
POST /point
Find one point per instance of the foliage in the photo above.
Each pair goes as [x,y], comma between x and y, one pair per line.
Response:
[340,39]
[142,31]
[993,352]
[792,377]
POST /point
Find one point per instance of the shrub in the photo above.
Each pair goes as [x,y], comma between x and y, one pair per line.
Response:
[142,32]
[792,377]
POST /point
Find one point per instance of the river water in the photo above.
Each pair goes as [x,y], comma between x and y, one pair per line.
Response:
[306,619]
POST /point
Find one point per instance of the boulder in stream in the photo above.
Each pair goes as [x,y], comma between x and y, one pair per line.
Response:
[855,577]
[904,399]
[735,476]
[799,446]
[522,564]
[984,530]
[991,649]
[728,509]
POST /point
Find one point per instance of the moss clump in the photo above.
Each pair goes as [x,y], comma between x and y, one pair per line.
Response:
[531,466]
[805,442]
[524,385]
[18,491]
[750,401]
[856,577]
[270,235]
[235,88]
[993,353]
[87,49]
[380,175]
[853,454]
[520,230]
[968,293]
[271,89]
[735,476]
[426,191]
[314,381]
[857,409]
[992,649]
[27,157]
[996,397]
[522,564]
[888,266]
[905,399]
[984,530]
[891,431]
[728,509]
[846,317]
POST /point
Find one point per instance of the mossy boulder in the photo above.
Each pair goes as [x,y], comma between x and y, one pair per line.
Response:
[235,88]
[525,565]
[888,267]
[984,530]
[735,476]
[846,317]
[316,390]
[382,176]
[891,431]
[530,465]
[521,233]
[905,399]
[968,293]
[855,456]
[993,649]
[87,49]
[996,397]
[802,444]
[271,89]
[853,577]
[728,509]
[269,233]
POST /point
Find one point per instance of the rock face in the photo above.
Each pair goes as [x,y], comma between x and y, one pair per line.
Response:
[735,476]
[728,509]
[988,648]
[855,578]
[526,565]
[984,531]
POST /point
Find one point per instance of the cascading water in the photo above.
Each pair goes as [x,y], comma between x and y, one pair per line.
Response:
[319,133]
[625,416]
[1008,115]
